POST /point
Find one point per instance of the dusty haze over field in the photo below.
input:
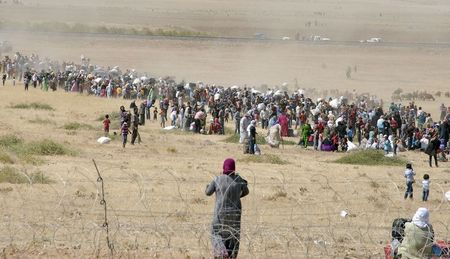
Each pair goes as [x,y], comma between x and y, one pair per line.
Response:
[384,67]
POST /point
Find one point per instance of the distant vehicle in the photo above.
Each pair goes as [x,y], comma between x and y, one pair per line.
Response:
[259,36]
[286,38]
[318,38]
[5,46]
[315,37]
[372,40]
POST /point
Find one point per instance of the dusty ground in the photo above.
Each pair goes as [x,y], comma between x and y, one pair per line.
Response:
[154,191]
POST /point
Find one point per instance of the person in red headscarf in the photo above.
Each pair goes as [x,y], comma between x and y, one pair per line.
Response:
[226,226]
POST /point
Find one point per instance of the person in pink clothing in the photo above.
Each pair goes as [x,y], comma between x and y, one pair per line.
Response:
[283,121]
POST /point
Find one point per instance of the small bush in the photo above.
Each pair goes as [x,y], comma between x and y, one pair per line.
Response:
[12,175]
[35,106]
[76,126]
[47,147]
[171,150]
[5,158]
[10,141]
[40,178]
[370,157]
[266,158]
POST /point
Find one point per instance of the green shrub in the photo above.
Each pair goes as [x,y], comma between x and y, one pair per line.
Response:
[40,178]
[35,106]
[370,157]
[10,141]
[47,147]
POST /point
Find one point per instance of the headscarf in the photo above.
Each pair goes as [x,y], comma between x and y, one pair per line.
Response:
[421,218]
[229,166]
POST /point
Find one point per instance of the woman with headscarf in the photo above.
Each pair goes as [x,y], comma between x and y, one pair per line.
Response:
[418,240]
[251,131]
[283,121]
[306,131]
[226,226]
[274,137]
[433,149]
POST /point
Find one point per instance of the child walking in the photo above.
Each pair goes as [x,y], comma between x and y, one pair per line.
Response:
[387,145]
[409,175]
[162,116]
[125,132]
[106,123]
[426,187]
[155,114]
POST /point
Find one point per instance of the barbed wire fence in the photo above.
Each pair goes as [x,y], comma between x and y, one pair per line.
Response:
[167,215]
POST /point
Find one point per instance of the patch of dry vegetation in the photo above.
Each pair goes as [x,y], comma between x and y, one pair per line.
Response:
[55,26]
[38,120]
[370,157]
[5,158]
[12,145]
[34,106]
[265,158]
[73,126]
[14,176]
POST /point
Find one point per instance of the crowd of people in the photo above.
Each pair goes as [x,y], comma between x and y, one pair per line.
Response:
[335,122]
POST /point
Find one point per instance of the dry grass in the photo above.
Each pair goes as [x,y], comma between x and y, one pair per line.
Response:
[40,178]
[14,176]
[5,158]
[102,29]
[38,120]
[278,194]
[26,152]
[74,126]
[265,158]
[48,147]
[151,196]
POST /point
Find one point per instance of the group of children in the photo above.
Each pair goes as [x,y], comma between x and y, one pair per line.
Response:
[409,175]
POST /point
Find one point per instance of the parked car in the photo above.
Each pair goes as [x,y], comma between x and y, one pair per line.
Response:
[372,40]
[259,36]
